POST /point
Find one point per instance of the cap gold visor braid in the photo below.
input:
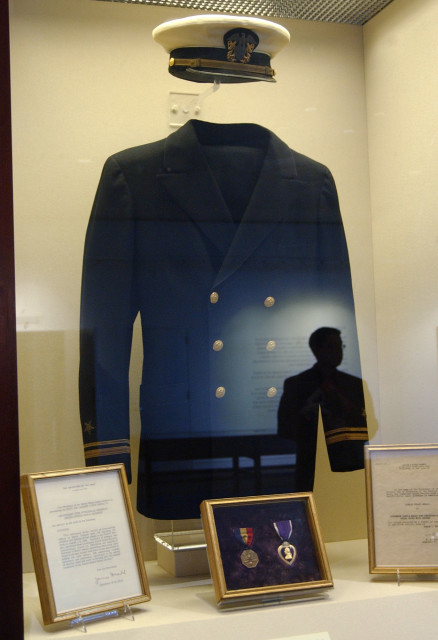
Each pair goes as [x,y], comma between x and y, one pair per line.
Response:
[196,63]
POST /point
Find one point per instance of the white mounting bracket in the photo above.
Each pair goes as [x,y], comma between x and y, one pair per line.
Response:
[185,106]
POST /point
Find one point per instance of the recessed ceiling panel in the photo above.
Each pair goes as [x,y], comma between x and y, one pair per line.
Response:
[344,11]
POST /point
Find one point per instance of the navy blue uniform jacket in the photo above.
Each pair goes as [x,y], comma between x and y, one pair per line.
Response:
[227,243]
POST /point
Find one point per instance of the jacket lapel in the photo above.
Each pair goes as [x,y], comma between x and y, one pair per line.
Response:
[270,204]
[191,184]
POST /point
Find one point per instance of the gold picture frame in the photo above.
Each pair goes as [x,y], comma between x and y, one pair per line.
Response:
[265,549]
[84,542]
[402,508]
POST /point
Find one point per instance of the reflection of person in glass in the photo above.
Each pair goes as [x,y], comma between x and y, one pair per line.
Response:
[339,396]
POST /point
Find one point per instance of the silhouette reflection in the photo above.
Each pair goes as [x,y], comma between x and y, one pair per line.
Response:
[340,398]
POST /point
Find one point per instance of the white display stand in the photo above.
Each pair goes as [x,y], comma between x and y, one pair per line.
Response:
[359,607]
[182,553]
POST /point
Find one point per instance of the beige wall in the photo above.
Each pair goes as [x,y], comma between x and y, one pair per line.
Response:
[401,50]
[87,81]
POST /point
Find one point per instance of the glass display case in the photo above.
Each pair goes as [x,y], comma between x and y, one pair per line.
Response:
[88,81]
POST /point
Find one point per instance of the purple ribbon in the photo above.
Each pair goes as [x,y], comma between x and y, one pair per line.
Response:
[284,529]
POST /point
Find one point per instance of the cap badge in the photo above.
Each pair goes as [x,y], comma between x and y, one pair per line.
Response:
[240,43]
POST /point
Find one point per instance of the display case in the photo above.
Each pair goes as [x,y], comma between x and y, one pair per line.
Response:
[88,81]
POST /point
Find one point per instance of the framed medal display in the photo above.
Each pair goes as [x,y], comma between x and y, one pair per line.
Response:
[265,549]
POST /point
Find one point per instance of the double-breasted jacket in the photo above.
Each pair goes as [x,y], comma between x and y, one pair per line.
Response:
[231,247]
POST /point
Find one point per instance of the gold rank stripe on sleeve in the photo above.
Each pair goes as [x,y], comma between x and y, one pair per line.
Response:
[106,448]
[346,433]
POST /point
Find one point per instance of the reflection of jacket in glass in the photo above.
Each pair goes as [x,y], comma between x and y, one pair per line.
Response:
[341,401]
[163,242]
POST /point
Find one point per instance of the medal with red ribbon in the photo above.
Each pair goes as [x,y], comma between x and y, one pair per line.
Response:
[286,551]
[248,557]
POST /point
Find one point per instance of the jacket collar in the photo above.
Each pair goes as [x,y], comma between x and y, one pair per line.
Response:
[188,180]
[183,148]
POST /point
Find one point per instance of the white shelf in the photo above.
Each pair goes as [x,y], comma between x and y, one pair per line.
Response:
[359,607]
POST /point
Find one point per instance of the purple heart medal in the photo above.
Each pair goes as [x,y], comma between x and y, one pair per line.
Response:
[286,551]
[248,557]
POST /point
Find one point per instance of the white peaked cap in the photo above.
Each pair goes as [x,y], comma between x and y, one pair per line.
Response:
[183,37]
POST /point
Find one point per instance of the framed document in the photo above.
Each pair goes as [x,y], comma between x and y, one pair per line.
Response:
[84,542]
[265,549]
[402,505]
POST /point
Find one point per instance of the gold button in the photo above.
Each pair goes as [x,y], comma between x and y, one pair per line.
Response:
[214,297]
[269,301]
[171,62]
[270,346]
[272,391]
[218,345]
[220,392]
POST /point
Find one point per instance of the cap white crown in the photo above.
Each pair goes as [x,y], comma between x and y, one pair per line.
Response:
[209,31]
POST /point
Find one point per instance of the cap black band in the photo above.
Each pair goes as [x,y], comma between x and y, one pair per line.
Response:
[212,59]
[214,53]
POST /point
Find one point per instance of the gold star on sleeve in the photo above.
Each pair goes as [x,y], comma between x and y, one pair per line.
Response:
[88,428]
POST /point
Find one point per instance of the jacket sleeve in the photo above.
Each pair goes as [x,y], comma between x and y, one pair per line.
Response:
[108,310]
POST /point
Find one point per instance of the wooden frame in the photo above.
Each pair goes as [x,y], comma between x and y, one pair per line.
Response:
[84,541]
[402,507]
[265,549]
